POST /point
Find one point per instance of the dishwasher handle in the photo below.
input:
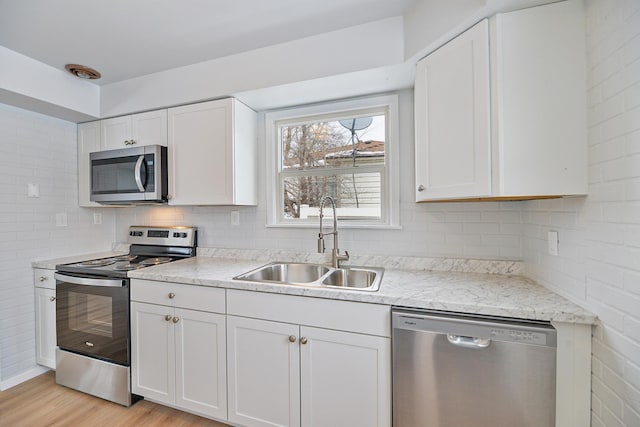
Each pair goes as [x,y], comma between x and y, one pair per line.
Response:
[468,342]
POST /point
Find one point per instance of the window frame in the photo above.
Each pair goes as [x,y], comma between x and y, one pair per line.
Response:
[390,197]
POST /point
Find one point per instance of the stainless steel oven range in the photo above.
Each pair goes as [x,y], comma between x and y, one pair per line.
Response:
[92,311]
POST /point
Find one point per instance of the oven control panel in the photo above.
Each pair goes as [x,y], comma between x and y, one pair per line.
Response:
[166,236]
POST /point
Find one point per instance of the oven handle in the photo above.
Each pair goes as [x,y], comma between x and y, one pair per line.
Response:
[113,283]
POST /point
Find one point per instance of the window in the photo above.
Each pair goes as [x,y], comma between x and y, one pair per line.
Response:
[346,150]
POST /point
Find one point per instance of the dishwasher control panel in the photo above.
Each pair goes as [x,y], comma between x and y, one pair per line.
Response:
[514,335]
[478,328]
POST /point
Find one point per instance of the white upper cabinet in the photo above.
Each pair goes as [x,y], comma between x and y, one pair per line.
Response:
[148,128]
[529,85]
[212,154]
[88,141]
[452,107]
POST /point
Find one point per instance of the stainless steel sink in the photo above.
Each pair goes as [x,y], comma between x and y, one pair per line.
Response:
[286,273]
[351,278]
[316,275]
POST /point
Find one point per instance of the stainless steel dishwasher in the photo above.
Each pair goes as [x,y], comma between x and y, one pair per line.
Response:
[454,370]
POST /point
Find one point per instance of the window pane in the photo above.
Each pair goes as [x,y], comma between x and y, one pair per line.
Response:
[337,143]
[357,195]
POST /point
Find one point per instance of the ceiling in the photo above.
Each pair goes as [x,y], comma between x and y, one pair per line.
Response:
[123,39]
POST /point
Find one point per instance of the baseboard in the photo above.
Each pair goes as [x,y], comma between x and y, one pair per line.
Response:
[25,376]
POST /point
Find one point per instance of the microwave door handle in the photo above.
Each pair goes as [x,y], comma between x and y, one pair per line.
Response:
[138,174]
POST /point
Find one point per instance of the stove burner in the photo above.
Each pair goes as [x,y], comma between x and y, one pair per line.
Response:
[124,257]
[155,261]
[96,262]
[126,266]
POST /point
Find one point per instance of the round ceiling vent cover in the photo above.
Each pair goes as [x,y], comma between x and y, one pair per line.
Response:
[82,72]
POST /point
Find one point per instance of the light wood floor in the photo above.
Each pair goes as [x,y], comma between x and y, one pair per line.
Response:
[41,402]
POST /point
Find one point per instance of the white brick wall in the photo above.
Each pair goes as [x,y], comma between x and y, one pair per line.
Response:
[41,150]
[599,261]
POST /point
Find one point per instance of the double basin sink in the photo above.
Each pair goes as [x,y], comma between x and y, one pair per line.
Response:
[316,275]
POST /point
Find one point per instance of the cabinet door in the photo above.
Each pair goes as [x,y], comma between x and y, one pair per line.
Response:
[149,128]
[201,362]
[452,119]
[88,141]
[153,352]
[114,132]
[539,96]
[345,379]
[263,372]
[200,154]
[46,327]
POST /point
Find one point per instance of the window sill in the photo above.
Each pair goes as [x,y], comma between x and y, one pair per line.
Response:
[341,225]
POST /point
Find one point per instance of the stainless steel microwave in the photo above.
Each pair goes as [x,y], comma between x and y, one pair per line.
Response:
[129,175]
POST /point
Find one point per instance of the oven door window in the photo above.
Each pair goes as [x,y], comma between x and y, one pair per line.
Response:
[91,314]
[93,320]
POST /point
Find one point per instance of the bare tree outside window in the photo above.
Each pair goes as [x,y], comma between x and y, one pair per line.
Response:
[324,158]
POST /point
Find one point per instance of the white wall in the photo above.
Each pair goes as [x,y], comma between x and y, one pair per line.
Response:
[30,84]
[377,44]
[599,261]
[41,150]
[461,230]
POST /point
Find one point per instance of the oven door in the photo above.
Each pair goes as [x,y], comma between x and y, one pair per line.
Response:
[129,175]
[92,317]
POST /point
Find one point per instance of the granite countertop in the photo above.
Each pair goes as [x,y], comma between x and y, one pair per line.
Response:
[488,294]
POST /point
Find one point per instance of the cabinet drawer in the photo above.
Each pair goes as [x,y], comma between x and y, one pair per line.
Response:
[43,278]
[178,295]
[364,318]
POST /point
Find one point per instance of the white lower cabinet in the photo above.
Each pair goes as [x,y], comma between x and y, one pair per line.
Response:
[290,374]
[273,360]
[264,372]
[45,317]
[343,378]
[178,354]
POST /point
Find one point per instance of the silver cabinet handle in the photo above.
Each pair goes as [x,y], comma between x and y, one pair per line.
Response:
[421,187]
[176,319]
[292,338]
[172,295]
[43,278]
[303,340]
[52,299]
[168,317]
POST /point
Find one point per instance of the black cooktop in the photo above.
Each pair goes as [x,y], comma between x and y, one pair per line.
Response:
[149,246]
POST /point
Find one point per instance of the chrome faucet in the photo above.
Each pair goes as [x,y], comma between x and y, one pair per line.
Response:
[336,256]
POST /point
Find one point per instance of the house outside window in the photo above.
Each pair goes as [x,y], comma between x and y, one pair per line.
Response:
[346,150]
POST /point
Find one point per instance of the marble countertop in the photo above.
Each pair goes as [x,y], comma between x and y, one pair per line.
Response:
[487,294]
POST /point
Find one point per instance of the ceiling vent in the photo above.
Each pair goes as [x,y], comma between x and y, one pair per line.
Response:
[82,72]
